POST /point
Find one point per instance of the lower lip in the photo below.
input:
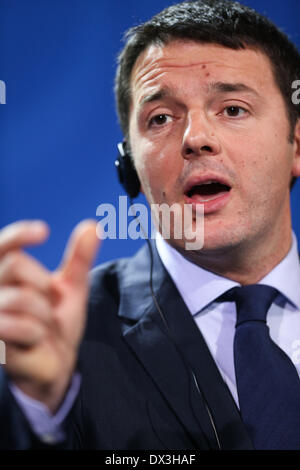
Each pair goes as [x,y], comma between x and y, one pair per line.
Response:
[211,206]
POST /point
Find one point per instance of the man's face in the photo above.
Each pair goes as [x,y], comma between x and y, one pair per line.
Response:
[208,125]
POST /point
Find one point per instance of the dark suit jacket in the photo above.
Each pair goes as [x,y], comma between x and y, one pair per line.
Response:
[138,390]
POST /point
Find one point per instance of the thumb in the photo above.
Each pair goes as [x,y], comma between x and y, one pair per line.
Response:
[80,252]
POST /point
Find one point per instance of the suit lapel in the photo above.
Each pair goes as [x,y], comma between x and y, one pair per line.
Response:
[160,358]
[173,357]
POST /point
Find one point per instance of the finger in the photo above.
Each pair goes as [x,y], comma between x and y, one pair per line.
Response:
[25,301]
[27,366]
[21,330]
[80,252]
[17,267]
[22,233]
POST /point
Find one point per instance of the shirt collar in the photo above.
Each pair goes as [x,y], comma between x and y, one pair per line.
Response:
[285,277]
[199,287]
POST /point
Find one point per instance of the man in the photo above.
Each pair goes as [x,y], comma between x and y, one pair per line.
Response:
[204,99]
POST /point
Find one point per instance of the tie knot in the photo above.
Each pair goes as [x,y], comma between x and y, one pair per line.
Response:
[252,301]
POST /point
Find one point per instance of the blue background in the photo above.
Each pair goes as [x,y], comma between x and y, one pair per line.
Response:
[59,127]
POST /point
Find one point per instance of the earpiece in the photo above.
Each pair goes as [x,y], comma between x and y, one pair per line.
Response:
[127,174]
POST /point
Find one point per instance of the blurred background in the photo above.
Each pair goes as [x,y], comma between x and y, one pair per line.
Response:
[58,128]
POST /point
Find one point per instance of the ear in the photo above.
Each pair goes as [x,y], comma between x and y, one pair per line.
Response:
[296,146]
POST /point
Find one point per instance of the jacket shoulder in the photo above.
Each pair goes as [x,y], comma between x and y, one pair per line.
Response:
[105,280]
[108,279]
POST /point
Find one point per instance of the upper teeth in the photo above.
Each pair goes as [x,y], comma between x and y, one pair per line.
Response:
[209,182]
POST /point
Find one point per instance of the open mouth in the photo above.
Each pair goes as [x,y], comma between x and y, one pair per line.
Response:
[207,191]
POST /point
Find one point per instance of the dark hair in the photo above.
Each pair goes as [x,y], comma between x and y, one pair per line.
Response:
[223,22]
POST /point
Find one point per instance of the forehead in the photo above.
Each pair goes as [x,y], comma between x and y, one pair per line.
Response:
[198,64]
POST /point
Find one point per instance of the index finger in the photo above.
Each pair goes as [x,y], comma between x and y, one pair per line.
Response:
[22,233]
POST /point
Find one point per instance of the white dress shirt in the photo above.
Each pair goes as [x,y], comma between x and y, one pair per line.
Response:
[200,288]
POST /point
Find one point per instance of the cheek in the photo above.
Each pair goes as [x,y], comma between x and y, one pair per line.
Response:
[151,174]
[158,169]
[264,161]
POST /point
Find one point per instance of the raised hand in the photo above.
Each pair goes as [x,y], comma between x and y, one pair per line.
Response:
[42,314]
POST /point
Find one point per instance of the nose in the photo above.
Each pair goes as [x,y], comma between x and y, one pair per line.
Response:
[199,138]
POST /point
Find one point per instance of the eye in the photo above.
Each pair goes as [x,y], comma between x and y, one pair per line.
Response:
[234,111]
[159,120]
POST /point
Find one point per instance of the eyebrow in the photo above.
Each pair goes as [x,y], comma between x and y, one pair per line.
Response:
[224,87]
[165,92]
[218,87]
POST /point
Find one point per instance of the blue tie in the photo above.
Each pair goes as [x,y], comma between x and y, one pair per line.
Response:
[268,384]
